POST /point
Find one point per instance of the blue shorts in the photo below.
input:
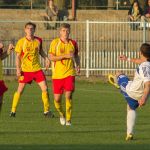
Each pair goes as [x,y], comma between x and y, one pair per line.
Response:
[123,81]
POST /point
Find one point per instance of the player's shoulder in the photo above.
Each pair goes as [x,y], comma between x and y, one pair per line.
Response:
[55,41]
[144,67]
[145,64]
[38,38]
[74,42]
[21,40]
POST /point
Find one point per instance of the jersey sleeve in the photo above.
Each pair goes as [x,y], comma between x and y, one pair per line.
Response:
[52,49]
[40,41]
[145,73]
[75,47]
[19,46]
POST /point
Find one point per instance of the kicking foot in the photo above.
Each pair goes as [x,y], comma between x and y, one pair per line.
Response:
[113,80]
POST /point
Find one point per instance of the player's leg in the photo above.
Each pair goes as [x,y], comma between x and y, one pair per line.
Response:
[131,117]
[68,96]
[39,77]
[16,98]
[45,99]
[69,88]
[3,89]
[58,106]
[132,105]
[58,91]
[57,103]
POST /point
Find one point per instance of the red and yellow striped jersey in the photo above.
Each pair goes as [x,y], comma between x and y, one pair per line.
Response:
[29,50]
[64,68]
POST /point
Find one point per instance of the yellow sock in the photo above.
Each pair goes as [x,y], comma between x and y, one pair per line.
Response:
[68,109]
[59,108]
[45,100]
[16,99]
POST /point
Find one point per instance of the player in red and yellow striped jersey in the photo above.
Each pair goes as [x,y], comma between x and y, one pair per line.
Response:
[3,55]
[28,67]
[65,62]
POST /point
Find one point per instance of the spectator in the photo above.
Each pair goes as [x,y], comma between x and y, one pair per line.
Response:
[146,16]
[135,13]
[51,14]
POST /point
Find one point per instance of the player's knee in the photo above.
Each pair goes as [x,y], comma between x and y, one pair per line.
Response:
[69,96]
[44,88]
[118,73]
[57,98]
[19,91]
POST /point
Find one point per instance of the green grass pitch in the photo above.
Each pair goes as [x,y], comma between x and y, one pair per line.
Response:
[99,121]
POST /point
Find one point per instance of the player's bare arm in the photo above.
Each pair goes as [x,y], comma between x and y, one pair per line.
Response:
[77,63]
[7,52]
[134,60]
[145,96]
[18,64]
[47,61]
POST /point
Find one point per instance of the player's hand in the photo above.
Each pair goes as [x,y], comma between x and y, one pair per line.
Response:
[142,102]
[48,17]
[131,17]
[47,63]
[147,15]
[18,72]
[123,57]
[70,55]
[78,70]
[1,45]
[10,48]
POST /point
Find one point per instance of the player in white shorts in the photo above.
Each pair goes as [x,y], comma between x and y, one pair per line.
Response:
[136,92]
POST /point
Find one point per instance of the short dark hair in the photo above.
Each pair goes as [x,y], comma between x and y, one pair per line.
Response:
[145,50]
[136,1]
[65,25]
[30,24]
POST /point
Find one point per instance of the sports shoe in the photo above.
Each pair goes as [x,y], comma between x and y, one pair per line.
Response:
[113,80]
[12,114]
[129,137]
[62,120]
[68,123]
[49,114]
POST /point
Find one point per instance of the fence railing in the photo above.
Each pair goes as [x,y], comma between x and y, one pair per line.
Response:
[100,43]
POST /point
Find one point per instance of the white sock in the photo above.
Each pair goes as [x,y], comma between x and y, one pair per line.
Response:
[131,116]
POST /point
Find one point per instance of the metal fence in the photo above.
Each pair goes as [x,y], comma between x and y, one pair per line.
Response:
[100,43]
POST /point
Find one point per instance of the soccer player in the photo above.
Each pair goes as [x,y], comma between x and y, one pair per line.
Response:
[28,67]
[65,63]
[136,92]
[3,55]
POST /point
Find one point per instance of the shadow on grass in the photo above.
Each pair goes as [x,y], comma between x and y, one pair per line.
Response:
[128,146]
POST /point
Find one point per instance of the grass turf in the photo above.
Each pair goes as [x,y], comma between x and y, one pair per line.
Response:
[99,121]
